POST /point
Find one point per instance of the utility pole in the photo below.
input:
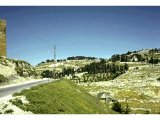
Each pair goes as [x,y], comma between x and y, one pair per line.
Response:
[55,61]
[55,53]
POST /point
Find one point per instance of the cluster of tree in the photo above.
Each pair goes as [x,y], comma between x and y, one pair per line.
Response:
[70,58]
[101,71]
[102,67]
[153,60]
[96,71]
[156,50]
[53,74]
[61,60]
[81,58]
[127,57]
[98,77]
[47,61]
[68,71]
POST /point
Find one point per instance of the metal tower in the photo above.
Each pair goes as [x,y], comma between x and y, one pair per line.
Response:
[55,53]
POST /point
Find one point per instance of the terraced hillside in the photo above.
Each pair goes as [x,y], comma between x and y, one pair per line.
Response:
[138,88]
[60,65]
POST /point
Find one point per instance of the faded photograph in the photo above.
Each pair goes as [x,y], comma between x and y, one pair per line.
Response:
[79,60]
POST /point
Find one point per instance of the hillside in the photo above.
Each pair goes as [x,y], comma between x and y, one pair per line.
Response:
[61,97]
[144,55]
[62,64]
[138,87]
[15,71]
[129,79]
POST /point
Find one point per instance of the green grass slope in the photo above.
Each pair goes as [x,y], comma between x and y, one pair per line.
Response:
[60,97]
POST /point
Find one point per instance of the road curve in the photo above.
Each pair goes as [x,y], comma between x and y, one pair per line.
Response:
[16,88]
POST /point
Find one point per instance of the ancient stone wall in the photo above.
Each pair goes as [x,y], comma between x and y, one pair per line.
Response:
[3,38]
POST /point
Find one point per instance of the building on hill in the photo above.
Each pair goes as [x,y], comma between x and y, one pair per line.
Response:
[3,47]
[134,59]
[104,97]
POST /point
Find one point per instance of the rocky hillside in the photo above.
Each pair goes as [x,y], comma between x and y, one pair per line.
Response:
[59,65]
[143,55]
[138,87]
[15,69]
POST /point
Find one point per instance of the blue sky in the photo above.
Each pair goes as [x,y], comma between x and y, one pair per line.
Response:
[90,31]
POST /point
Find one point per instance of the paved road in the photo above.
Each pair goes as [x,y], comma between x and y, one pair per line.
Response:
[16,88]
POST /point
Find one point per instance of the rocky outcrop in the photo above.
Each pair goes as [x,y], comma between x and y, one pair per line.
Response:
[12,69]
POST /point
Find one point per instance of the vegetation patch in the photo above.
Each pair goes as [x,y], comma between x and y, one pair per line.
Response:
[9,111]
[3,79]
[158,79]
[60,97]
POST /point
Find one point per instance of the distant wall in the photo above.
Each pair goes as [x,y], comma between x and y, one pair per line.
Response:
[3,51]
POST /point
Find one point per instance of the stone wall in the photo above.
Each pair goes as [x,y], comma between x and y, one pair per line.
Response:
[3,38]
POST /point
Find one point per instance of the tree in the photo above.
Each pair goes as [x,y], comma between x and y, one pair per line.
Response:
[126,66]
[103,61]
[153,61]
[68,71]
[115,58]
[117,107]
[123,58]
[46,74]
[128,53]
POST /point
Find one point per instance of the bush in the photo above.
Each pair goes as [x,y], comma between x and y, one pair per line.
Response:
[117,107]
[9,111]
[19,71]
[158,79]
[3,79]
[127,109]
[47,74]
[16,101]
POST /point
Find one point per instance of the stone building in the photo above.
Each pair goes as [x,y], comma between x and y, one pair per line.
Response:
[3,51]
[104,97]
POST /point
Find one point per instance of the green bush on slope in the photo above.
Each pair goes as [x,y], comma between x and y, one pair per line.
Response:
[158,79]
[61,97]
[3,79]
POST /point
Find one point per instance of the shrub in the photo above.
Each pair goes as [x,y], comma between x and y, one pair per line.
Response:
[17,94]
[17,102]
[46,74]
[117,107]
[127,109]
[9,111]
[158,79]
[3,79]
[19,71]
[5,106]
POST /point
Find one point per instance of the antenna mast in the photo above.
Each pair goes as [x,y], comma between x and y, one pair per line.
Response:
[55,53]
